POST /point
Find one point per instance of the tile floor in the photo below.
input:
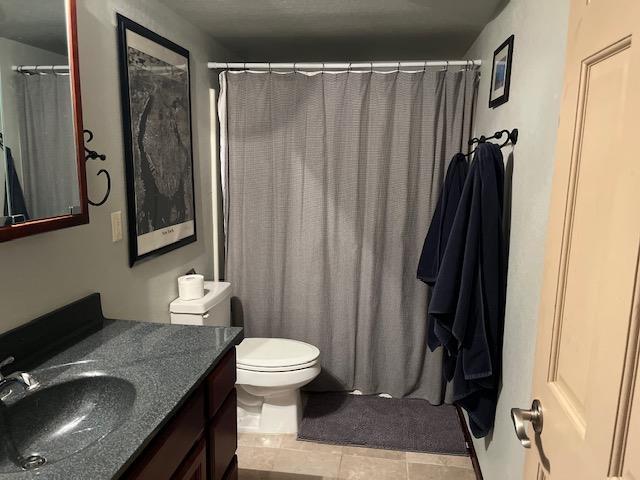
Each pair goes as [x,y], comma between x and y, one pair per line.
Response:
[282,457]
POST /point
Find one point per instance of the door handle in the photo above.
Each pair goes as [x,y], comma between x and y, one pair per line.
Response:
[520,417]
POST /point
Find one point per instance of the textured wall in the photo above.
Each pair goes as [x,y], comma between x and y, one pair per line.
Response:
[42,272]
[540,29]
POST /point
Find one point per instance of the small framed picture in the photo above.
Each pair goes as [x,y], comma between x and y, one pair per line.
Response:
[156,117]
[501,73]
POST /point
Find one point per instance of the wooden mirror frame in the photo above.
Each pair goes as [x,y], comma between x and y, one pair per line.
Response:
[33,227]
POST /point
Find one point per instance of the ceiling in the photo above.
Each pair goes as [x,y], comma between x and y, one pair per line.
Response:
[35,22]
[307,30]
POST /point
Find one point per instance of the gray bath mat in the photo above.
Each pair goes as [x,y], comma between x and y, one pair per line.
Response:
[406,424]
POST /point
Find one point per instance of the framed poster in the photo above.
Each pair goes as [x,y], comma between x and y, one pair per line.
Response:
[501,73]
[156,120]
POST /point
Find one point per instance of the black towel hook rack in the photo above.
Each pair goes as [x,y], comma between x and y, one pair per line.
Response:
[512,137]
[93,155]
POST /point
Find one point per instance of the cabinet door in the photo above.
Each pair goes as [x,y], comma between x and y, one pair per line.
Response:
[223,438]
[195,465]
[232,471]
[168,449]
[221,382]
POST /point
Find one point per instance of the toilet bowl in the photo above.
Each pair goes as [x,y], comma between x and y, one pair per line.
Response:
[270,373]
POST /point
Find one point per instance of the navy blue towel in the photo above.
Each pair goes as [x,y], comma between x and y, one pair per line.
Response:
[437,237]
[469,293]
[438,234]
[13,191]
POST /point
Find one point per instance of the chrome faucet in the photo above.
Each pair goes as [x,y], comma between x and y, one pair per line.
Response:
[23,378]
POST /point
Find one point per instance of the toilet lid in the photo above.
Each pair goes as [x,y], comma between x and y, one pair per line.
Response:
[273,353]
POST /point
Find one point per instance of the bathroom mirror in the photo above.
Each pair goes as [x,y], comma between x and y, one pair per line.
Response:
[42,174]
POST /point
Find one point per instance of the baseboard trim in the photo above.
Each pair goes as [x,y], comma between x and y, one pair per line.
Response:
[470,448]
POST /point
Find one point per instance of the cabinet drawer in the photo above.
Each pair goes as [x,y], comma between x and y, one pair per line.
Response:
[223,438]
[220,382]
[168,449]
[195,465]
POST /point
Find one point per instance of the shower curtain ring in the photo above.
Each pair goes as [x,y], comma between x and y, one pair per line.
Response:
[398,67]
[269,67]
[424,67]
[370,67]
[349,68]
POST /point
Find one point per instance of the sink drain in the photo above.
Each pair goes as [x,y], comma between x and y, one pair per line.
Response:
[33,461]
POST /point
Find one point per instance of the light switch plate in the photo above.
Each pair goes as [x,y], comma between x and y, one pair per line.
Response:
[116,226]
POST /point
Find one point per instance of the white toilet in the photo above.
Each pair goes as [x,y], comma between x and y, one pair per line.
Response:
[270,371]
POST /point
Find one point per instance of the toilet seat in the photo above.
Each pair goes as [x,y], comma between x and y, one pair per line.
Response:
[289,368]
[275,355]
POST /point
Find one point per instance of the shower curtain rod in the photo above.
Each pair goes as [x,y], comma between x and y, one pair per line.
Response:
[41,69]
[341,65]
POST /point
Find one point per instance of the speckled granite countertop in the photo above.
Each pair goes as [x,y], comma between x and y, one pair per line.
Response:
[164,363]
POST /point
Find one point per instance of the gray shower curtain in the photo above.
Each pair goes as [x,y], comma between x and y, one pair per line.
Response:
[330,183]
[47,145]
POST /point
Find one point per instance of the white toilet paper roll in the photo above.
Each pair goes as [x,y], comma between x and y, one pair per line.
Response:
[191,287]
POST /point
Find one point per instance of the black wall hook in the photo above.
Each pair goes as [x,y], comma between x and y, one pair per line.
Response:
[512,137]
[93,155]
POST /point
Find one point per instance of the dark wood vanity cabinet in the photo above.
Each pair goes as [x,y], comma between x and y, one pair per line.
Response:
[200,441]
[223,438]
[195,465]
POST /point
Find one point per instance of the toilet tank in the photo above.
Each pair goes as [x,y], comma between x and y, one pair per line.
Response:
[212,309]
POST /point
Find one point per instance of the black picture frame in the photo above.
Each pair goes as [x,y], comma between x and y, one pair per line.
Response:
[142,213]
[500,82]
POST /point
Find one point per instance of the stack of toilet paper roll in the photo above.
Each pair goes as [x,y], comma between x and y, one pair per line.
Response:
[191,287]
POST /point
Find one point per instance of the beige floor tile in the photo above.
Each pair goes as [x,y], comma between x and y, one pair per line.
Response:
[290,442]
[259,440]
[319,464]
[374,453]
[444,460]
[294,476]
[270,441]
[245,439]
[355,467]
[458,461]
[423,471]
[256,458]
[426,458]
